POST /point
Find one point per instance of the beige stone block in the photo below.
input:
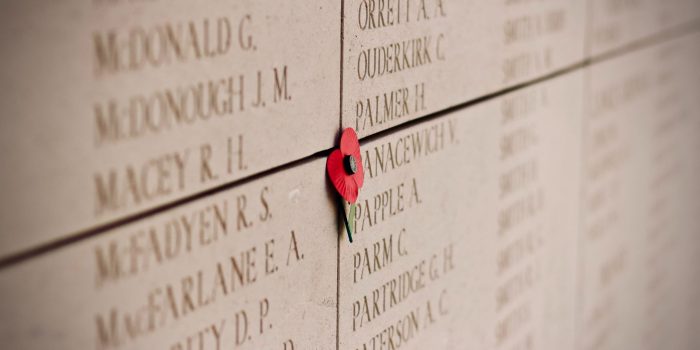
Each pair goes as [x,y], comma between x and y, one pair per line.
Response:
[111,108]
[253,267]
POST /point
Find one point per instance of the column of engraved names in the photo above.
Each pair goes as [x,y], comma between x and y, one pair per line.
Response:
[125,54]
[218,281]
[155,101]
[519,229]
[394,38]
[393,275]
[605,236]
[664,261]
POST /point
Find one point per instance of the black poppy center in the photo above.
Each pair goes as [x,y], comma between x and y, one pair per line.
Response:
[350,164]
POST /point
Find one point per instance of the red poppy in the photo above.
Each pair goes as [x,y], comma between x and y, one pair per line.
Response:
[344,166]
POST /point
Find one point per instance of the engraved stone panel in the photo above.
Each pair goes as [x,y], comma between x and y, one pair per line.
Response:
[403,59]
[467,229]
[115,107]
[639,236]
[253,267]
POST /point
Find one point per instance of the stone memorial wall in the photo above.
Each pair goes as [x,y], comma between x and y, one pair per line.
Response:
[531,174]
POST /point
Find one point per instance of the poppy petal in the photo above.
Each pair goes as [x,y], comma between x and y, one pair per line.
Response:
[349,144]
[351,190]
[343,183]
[334,167]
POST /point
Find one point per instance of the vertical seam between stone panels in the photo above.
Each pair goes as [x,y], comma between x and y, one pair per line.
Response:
[587,27]
[578,289]
[342,39]
[340,117]
[580,256]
